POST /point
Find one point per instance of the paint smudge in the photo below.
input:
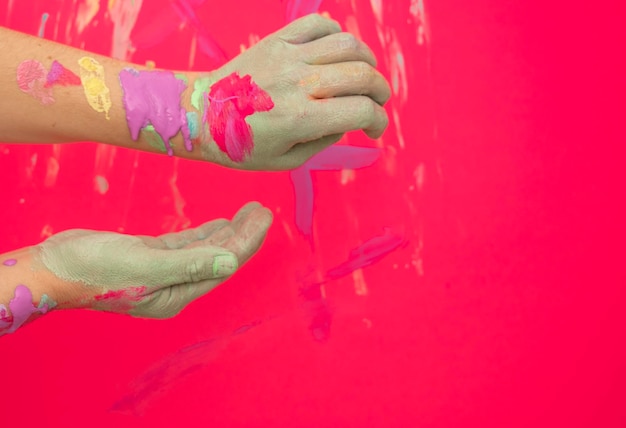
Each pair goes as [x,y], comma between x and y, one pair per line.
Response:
[165,373]
[59,75]
[31,79]
[153,98]
[232,99]
[120,300]
[295,9]
[320,314]
[371,251]
[193,122]
[96,91]
[9,262]
[42,26]
[334,158]
[21,307]
[101,184]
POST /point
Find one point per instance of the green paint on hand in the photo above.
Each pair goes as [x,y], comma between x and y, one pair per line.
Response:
[200,87]
[224,265]
[153,138]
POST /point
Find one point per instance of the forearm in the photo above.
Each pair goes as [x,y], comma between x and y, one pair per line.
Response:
[25,291]
[53,93]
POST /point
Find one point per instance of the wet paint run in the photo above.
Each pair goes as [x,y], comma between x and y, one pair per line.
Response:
[152,98]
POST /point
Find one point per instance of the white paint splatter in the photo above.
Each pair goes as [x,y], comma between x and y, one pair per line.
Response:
[52,171]
[87,10]
[124,15]
[360,286]
[101,184]
[419,176]
[418,11]
[377,8]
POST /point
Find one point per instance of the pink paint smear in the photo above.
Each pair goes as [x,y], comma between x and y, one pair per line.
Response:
[230,101]
[32,79]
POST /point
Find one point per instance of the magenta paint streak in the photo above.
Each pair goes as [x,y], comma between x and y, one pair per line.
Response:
[59,75]
[9,262]
[295,9]
[334,158]
[21,307]
[371,251]
[165,373]
[162,24]
[230,101]
[153,97]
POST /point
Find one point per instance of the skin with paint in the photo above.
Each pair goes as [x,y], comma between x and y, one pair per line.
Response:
[142,276]
[274,106]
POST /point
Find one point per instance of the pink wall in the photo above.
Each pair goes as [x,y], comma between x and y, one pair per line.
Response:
[489,286]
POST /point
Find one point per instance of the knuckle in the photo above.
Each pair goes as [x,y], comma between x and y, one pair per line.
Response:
[347,41]
[194,271]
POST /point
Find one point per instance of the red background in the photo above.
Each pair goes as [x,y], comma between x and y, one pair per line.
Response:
[504,307]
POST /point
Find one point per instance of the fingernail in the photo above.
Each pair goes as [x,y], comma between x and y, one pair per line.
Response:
[224,265]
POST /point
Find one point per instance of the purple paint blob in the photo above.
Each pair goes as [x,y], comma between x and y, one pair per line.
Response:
[9,262]
[153,98]
[22,307]
[334,158]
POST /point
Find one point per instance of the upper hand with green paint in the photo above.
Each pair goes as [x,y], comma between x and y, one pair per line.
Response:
[322,83]
[147,276]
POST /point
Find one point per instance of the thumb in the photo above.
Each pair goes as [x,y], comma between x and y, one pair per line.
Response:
[189,265]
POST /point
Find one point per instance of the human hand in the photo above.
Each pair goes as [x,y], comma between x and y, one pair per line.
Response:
[310,84]
[153,277]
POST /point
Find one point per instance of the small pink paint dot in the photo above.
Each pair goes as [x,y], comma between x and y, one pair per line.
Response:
[10,262]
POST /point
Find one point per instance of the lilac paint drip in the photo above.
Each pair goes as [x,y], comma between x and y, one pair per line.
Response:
[21,307]
[334,158]
[153,98]
[9,262]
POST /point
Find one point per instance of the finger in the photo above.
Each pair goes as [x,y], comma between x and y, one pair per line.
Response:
[218,238]
[308,28]
[338,47]
[243,213]
[340,115]
[185,265]
[348,78]
[186,237]
[302,152]
[250,233]
[223,235]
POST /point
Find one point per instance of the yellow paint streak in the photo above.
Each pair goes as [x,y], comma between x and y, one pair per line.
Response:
[96,91]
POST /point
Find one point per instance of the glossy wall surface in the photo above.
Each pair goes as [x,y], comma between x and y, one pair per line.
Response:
[467,269]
